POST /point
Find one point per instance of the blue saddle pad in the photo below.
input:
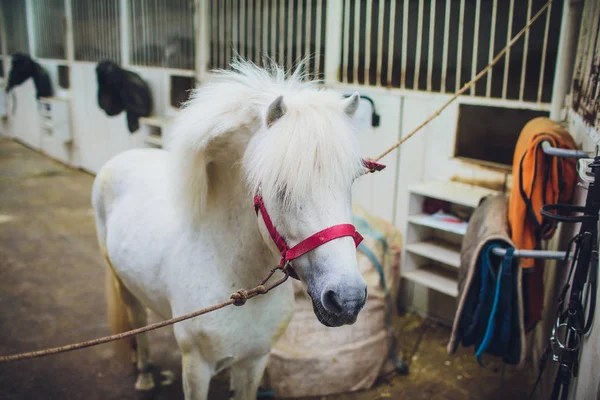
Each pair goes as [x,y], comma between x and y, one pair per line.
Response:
[490,318]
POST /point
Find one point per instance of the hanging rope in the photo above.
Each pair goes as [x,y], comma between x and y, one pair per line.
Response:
[468,85]
[238,298]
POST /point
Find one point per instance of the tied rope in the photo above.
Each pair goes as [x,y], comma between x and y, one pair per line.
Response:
[468,85]
[238,298]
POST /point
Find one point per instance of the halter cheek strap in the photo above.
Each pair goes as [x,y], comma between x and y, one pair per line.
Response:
[306,245]
[312,242]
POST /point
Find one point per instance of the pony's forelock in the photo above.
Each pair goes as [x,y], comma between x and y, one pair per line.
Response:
[310,149]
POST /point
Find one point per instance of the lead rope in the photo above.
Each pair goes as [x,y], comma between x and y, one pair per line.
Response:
[238,298]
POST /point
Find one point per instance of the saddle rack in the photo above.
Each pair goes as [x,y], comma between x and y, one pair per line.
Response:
[544,254]
[584,159]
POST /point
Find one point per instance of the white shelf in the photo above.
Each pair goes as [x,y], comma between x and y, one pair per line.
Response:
[431,222]
[154,139]
[157,121]
[434,278]
[437,251]
[453,192]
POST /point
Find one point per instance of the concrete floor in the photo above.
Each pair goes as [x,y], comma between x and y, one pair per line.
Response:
[51,293]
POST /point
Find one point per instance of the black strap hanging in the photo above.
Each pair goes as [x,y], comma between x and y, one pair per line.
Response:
[571,322]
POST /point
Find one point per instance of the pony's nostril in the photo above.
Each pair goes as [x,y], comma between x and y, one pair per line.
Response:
[331,302]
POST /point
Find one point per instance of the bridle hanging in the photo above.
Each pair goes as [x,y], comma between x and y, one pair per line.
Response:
[315,240]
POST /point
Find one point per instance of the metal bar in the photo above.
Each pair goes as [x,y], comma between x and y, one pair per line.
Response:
[488,89]
[40,32]
[318,70]
[99,17]
[431,40]
[356,34]
[511,11]
[476,45]
[125,21]
[565,153]
[404,42]
[525,51]
[156,33]
[214,15]
[222,42]
[250,28]
[282,32]
[419,45]
[544,49]
[265,14]
[445,50]
[380,40]
[346,43]
[227,31]
[461,28]
[540,254]
[272,21]
[147,32]
[235,37]
[201,39]
[391,43]
[69,43]
[369,10]
[299,23]
[290,33]
[74,29]
[133,30]
[308,36]
[257,12]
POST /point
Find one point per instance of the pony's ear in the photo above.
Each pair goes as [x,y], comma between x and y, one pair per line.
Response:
[275,111]
[351,104]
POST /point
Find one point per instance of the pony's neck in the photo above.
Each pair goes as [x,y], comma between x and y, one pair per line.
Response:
[234,228]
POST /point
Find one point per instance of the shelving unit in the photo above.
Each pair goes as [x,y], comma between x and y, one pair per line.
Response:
[54,113]
[155,129]
[431,253]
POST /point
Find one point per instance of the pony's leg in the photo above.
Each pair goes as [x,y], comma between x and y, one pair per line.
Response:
[246,376]
[196,375]
[139,318]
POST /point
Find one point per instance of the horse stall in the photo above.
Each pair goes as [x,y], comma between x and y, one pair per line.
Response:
[491,90]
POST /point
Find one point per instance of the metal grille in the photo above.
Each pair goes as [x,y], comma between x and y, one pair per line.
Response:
[49,29]
[439,45]
[586,82]
[162,33]
[283,30]
[96,30]
[15,26]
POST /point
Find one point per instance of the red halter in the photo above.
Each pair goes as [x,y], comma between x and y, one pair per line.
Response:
[313,241]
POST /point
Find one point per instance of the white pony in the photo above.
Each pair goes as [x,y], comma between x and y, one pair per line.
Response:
[180,233]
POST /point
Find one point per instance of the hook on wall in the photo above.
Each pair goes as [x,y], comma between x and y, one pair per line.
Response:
[375,118]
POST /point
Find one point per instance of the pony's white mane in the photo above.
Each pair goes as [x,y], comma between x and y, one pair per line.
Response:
[311,148]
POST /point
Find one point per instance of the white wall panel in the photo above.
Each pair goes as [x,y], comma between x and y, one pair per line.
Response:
[377,191]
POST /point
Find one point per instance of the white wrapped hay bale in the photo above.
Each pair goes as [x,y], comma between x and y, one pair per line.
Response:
[311,359]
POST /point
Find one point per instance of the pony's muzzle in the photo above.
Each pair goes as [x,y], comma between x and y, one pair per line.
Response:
[344,301]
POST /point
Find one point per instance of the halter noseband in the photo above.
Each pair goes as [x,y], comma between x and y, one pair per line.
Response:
[315,240]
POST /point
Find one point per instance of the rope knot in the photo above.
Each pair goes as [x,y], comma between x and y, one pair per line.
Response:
[239,298]
[261,289]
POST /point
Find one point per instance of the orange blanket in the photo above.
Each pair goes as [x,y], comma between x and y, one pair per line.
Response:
[538,179]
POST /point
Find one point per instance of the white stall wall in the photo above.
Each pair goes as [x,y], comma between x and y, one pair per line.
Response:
[99,137]
[377,191]
[24,119]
